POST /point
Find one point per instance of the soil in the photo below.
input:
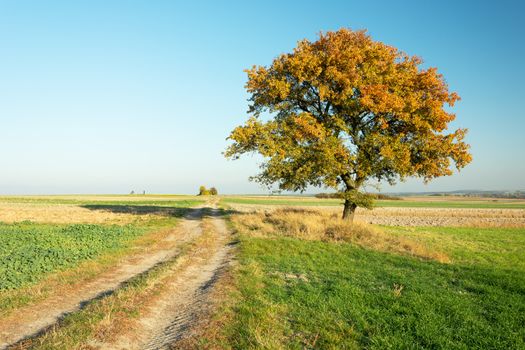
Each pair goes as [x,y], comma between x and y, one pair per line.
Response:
[176,313]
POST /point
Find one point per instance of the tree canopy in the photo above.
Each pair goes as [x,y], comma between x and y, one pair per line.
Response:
[346,109]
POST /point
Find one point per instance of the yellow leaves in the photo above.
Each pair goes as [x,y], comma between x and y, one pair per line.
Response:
[345,104]
[261,82]
[307,127]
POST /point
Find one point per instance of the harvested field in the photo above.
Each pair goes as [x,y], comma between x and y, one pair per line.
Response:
[470,217]
[64,214]
[57,199]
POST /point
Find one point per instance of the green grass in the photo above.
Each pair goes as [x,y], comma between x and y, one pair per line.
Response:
[308,294]
[501,247]
[29,251]
[379,203]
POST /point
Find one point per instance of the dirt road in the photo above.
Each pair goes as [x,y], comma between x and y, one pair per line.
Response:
[167,319]
[176,312]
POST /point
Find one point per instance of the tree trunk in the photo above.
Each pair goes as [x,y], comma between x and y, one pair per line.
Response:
[349,211]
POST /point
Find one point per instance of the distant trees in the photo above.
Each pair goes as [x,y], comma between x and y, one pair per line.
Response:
[203,191]
[133,192]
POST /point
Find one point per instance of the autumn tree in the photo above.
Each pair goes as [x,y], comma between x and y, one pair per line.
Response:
[346,109]
[213,191]
[203,191]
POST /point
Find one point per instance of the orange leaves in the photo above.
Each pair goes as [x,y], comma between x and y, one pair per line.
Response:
[347,106]
[378,99]
[306,127]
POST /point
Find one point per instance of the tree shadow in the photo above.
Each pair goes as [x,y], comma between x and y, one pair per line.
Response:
[187,213]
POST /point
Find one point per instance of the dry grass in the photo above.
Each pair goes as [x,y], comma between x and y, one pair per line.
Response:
[65,214]
[321,225]
[396,216]
[397,289]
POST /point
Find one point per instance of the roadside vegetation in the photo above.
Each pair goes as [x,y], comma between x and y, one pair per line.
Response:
[317,225]
[203,191]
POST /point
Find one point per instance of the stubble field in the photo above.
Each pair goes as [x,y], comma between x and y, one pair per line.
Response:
[411,211]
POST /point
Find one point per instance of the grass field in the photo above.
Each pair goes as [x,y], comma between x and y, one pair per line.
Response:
[298,293]
[405,203]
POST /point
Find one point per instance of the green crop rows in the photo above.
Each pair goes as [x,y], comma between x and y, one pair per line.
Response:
[29,251]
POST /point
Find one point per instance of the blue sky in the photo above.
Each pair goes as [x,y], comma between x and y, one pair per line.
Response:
[114,96]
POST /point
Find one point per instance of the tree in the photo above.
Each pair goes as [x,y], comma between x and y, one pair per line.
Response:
[203,191]
[213,191]
[346,110]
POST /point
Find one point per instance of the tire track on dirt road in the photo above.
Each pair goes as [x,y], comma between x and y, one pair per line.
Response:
[186,296]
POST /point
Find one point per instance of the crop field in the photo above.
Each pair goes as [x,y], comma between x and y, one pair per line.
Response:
[41,237]
[118,210]
[30,251]
[405,276]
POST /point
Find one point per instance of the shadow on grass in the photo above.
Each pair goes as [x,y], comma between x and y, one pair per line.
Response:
[187,213]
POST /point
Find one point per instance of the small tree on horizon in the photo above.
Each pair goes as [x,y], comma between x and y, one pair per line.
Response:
[346,109]
[203,191]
